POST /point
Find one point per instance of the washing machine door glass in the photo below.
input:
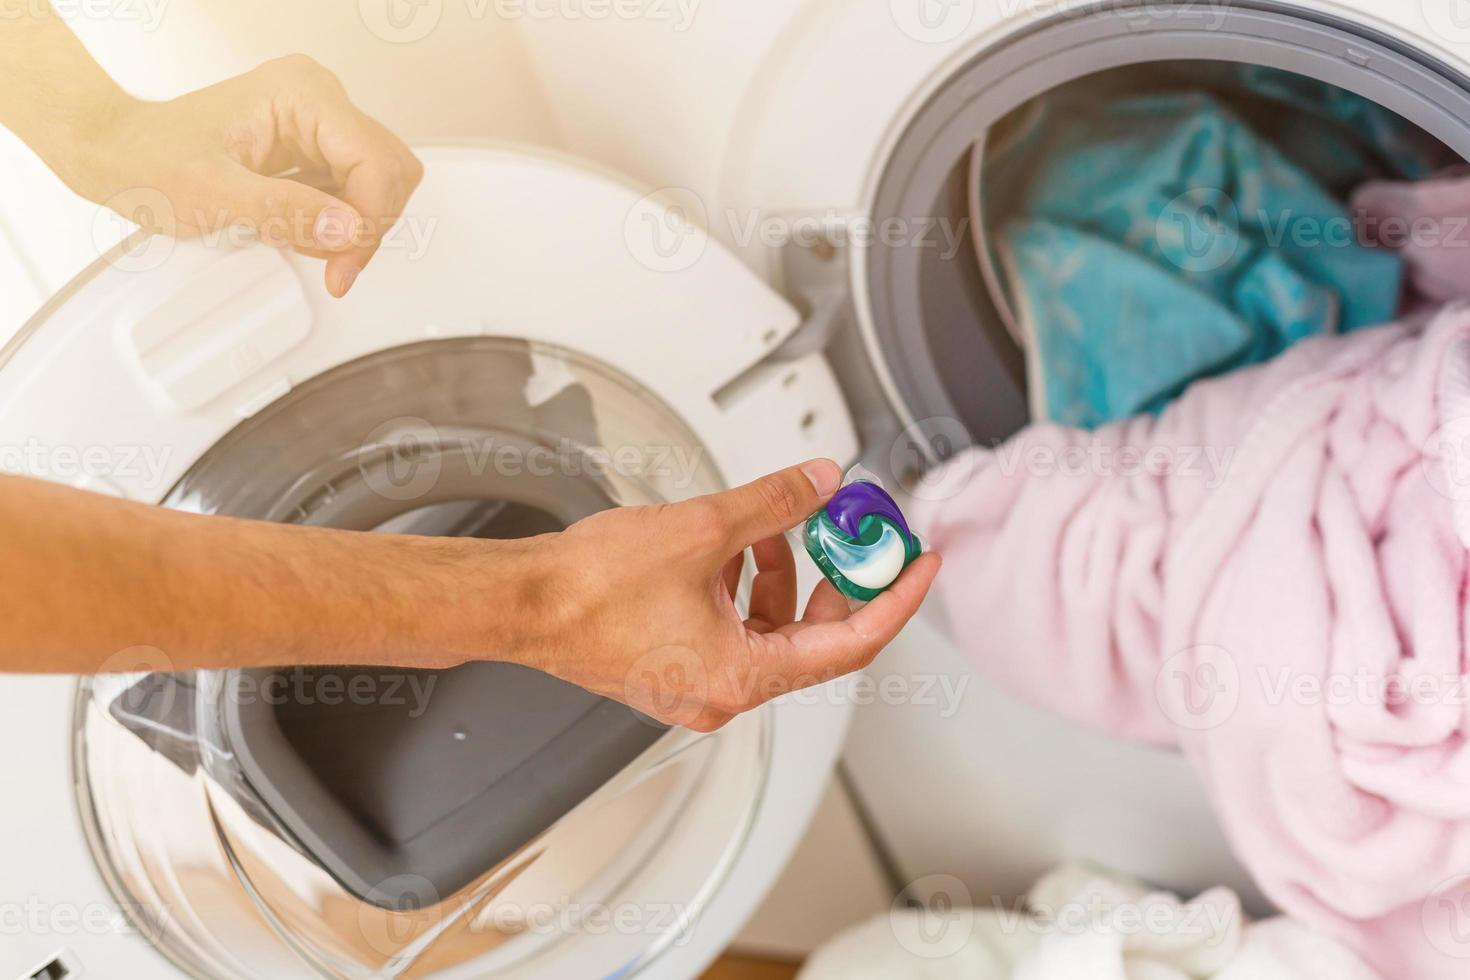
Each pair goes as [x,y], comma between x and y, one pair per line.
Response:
[465,822]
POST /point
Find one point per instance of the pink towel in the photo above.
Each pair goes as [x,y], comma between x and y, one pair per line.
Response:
[1268,574]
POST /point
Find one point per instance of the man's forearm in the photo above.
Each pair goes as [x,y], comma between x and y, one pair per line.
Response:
[53,94]
[85,576]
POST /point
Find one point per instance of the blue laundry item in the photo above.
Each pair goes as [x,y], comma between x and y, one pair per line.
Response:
[1157,240]
[1337,136]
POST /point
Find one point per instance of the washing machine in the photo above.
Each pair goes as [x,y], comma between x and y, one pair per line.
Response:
[520,361]
[795,131]
[735,302]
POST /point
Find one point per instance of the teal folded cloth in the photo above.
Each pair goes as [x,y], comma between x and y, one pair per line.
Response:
[1158,239]
[1337,136]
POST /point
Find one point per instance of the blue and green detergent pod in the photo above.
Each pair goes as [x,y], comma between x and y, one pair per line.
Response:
[860,540]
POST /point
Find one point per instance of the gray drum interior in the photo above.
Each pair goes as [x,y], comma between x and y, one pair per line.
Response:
[403,795]
[961,363]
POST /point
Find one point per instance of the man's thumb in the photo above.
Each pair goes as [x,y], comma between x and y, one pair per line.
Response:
[778,502]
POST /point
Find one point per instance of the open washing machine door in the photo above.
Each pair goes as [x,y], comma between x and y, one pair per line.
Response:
[540,343]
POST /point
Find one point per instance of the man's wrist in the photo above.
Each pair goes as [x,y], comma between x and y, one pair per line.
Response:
[91,147]
[481,600]
[58,100]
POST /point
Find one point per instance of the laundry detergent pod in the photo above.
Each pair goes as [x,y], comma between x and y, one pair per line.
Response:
[860,540]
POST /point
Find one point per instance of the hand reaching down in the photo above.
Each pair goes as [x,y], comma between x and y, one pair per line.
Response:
[646,614]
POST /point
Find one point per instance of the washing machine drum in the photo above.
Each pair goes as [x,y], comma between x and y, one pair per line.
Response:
[482,813]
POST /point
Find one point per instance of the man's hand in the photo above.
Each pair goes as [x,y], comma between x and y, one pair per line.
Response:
[642,607]
[211,159]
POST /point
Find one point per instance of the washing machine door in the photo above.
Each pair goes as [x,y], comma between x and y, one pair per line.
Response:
[540,342]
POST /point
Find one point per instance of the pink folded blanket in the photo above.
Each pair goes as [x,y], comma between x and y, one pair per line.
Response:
[1272,574]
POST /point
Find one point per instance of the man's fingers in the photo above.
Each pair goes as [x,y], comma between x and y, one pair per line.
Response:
[708,720]
[281,212]
[775,503]
[730,574]
[880,620]
[828,648]
[377,174]
[826,605]
[773,595]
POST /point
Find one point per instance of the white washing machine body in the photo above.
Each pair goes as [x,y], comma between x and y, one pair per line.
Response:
[161,350]
[771,119]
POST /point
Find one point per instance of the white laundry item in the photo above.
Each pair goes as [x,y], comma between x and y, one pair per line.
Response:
[1284,949]
[1079,924]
